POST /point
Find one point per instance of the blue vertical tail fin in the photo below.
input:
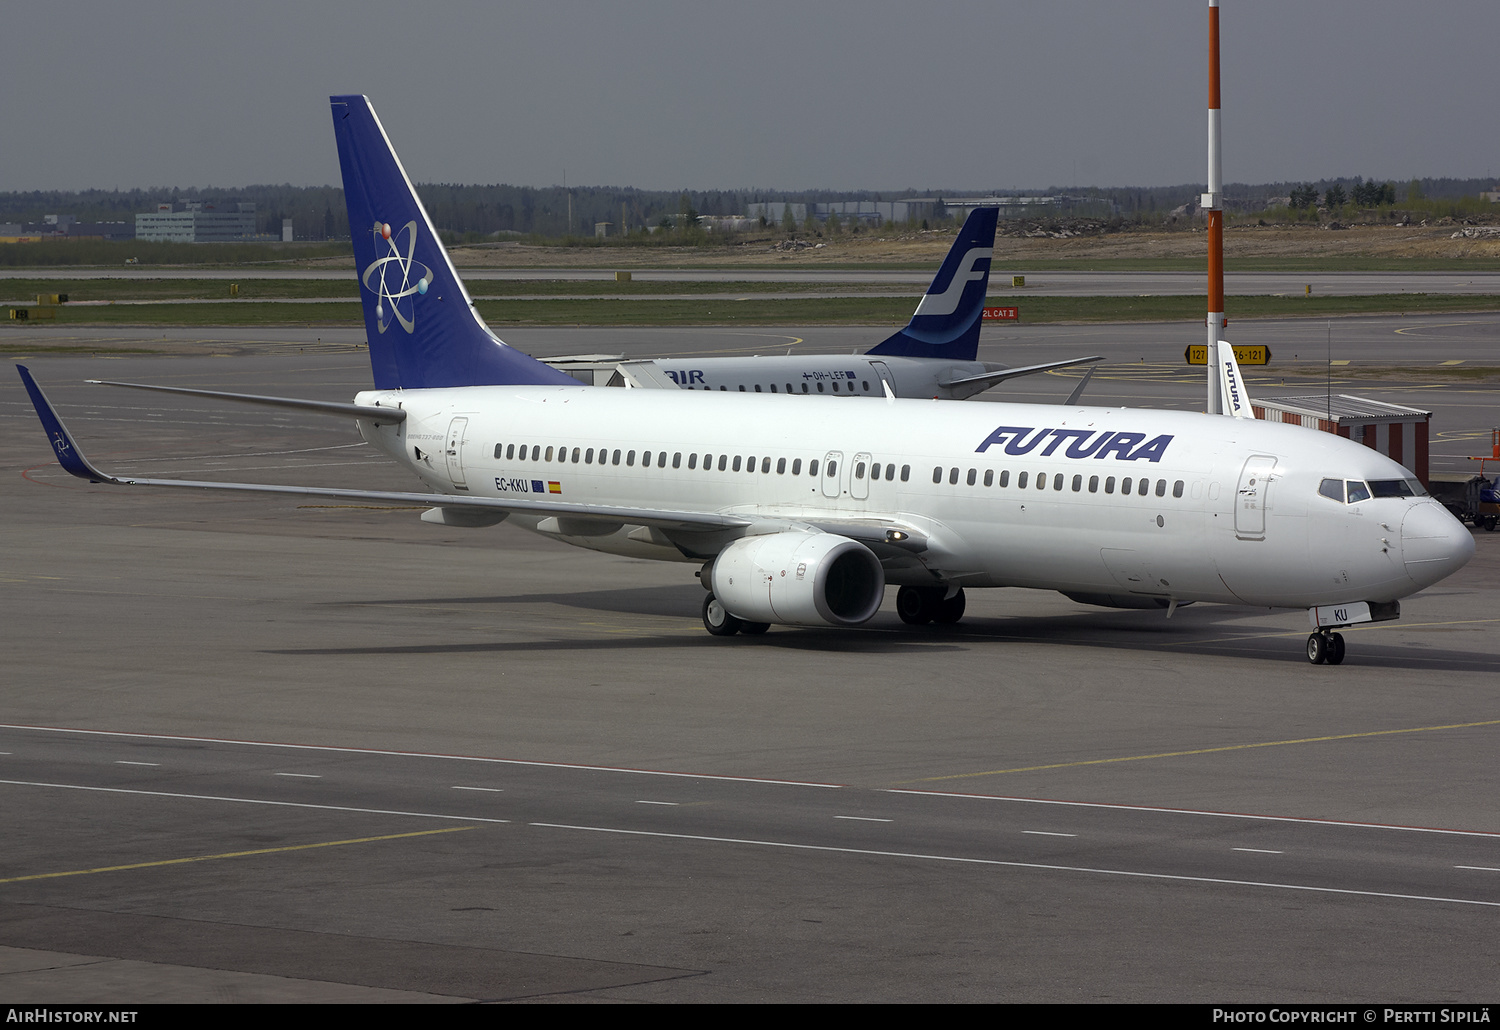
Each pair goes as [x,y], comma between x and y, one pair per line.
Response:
[946,324]
[422,328]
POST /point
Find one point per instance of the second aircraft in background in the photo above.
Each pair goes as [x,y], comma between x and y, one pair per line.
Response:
[935,355]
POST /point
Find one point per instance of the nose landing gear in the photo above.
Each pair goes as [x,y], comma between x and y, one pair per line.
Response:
[1325,646]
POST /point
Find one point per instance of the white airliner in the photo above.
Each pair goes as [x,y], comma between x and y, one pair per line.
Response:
[935,355]
[800,513]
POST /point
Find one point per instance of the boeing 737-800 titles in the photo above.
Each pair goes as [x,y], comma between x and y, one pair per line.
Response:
[801,513]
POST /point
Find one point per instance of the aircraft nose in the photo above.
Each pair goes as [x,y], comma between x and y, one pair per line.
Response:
[1434,544]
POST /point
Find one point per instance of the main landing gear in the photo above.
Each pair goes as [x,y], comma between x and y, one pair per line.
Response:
[918,606]
[1325,646]
[718,621]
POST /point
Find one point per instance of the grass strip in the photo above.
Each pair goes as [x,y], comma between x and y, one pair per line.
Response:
[862,310]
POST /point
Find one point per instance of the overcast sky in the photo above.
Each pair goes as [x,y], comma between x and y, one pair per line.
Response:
[701,94]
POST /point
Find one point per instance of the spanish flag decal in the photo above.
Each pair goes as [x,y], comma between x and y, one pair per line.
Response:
[554,487]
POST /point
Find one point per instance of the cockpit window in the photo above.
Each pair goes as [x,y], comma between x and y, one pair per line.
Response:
[1333,489]
[1391,487]
[1358,491]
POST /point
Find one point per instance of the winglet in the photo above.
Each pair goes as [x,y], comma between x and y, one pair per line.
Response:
[946,323]
[68,454]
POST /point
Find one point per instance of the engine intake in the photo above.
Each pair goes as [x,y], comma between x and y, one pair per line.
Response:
[799,579]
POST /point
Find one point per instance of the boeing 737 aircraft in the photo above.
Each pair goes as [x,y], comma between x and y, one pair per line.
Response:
[801,514]
[935,355]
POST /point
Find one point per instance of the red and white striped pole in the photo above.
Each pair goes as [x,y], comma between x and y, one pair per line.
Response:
[1213,205]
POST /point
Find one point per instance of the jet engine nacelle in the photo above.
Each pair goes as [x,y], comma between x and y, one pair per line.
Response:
[799,579]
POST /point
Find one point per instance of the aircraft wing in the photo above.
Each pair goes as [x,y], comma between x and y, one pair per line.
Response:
[985,380]
[369,411]
[73,461]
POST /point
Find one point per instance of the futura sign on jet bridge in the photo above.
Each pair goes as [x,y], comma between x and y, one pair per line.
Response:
[801,513]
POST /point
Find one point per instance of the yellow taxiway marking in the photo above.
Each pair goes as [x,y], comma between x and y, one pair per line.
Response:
[234,854]
[1210,750]
[1457,361]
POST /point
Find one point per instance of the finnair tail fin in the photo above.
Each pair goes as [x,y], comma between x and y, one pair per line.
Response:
[421,325]
[946,324]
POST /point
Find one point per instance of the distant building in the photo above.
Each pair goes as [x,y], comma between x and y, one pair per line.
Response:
[916,209]
[197,222]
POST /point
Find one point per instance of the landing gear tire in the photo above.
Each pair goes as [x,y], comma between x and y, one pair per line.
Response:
[917,606]
[717,620]
[1317,648]
[950,610]
[1335,648]
[1325,646]
[754,629]
[1489,523]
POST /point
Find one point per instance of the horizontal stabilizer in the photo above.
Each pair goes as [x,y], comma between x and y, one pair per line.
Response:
[984,380]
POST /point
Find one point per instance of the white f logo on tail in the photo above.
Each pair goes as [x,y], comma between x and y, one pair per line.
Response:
[946,303]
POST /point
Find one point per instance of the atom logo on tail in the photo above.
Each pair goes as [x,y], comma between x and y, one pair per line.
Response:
[400,276]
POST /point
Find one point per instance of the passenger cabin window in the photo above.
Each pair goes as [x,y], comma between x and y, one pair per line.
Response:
[1021,481]
[905,473]
[812,467]
[796,466]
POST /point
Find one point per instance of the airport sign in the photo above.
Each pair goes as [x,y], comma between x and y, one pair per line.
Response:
[1197,354]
